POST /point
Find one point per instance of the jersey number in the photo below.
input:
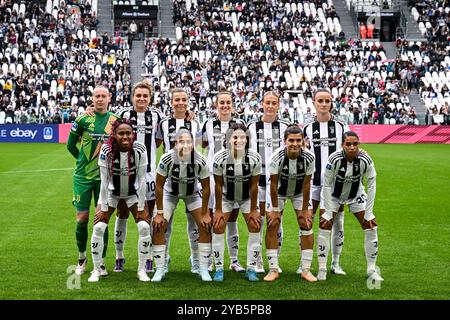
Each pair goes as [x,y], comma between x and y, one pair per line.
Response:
[151,187]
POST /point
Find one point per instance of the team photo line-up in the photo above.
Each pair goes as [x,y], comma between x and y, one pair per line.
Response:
[250,167]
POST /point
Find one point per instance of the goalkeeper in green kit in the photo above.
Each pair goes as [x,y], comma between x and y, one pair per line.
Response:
[91,131]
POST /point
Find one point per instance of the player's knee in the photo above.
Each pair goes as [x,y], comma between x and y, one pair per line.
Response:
[370,224]
[302,223]
[161,229]
[253,227]
[220,228]
[325,224]
[99,229]
[143,228]
[144,216]
[275,225]
[83,217]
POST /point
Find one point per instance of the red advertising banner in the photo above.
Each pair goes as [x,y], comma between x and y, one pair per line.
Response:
[64,130]
[376,133]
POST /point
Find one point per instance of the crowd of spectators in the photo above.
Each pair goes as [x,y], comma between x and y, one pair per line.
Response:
[51,58]
[425,65]
[294,48]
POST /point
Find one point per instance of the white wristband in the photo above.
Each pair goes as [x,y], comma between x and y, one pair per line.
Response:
[276,209]
[161,212]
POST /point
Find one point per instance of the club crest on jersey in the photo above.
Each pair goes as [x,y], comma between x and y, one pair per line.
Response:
[149,118]
[102,156]
[332,130]
[75,126]
[356,167]
[328,166]
[215,165]
[246,166]
[161,165]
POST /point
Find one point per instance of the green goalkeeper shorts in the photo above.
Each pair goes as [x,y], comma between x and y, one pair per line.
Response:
[83,190]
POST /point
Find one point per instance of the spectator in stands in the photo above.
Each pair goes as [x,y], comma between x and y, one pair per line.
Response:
[132,29]
[444,112]
[370,28]
[362,30]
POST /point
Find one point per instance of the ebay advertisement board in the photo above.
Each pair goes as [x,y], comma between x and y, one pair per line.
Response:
[29,133]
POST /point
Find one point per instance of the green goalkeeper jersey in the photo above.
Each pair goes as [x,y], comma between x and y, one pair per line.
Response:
[93,131]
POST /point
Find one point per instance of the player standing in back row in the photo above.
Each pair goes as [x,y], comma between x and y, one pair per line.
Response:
[92,131]
[266,135]
[166,133]
[213,133]
[324,135]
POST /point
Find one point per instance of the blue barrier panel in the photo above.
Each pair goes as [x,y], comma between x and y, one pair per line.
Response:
[29,133]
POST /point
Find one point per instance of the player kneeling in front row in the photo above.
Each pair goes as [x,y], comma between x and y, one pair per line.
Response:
[177,177]
[236,175]
[291,168]
[343,184]
[123,163]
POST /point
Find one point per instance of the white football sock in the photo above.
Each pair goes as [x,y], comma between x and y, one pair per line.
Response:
[272,258]
[193,234]
[218,248]
[371,247]
[144,243]
[120,235]
[204,253]
[82,255]
[159,254]
[307,257]
[97,244]
[323,246]
[337,237]
[253,249]
[280,235]
[233,240]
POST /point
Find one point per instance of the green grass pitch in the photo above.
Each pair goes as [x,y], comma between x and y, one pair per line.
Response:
[37,237]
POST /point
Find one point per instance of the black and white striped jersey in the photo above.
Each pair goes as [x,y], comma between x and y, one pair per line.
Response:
[236,173]
[344,180]
[324,139]
[213,135]
[169,127]
[145,125]
[264,139]
[291,172]
[123,173]
[183,176]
